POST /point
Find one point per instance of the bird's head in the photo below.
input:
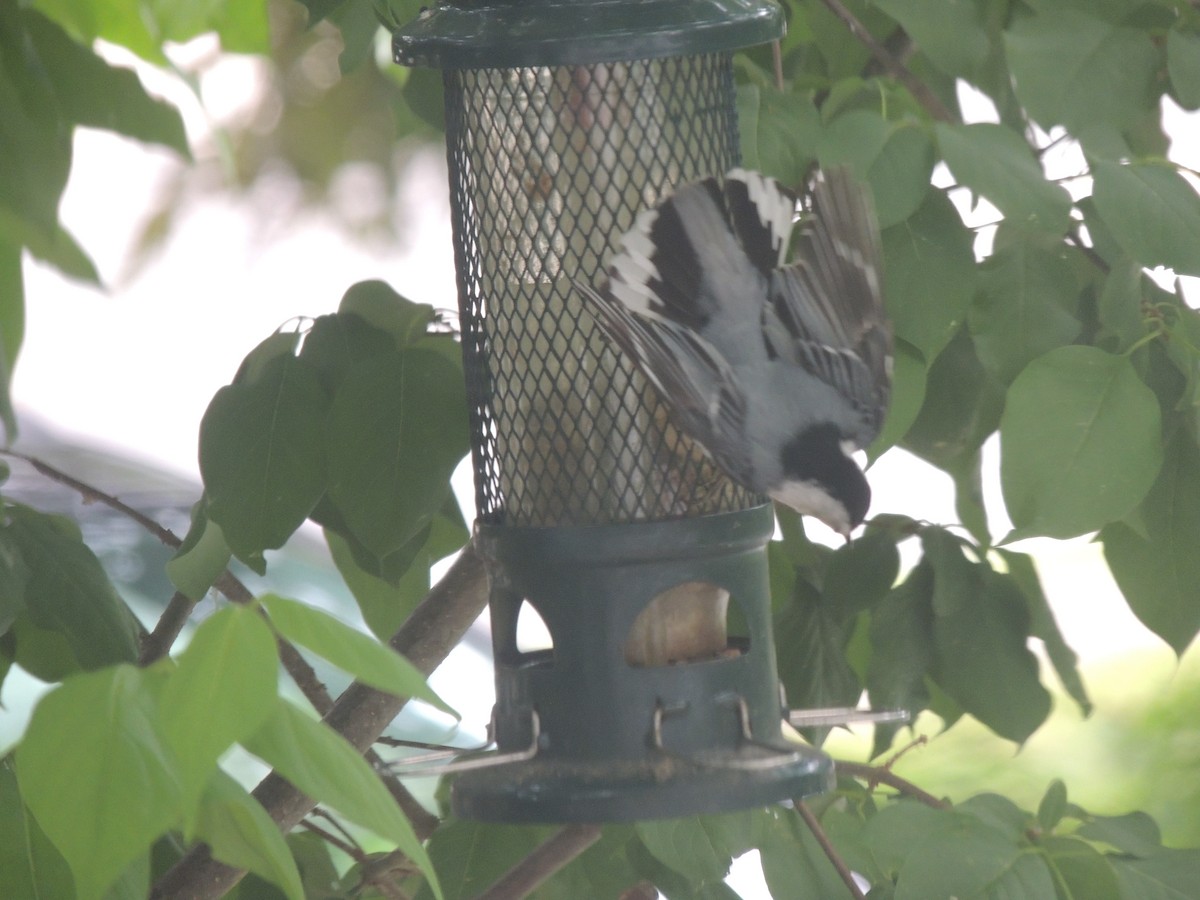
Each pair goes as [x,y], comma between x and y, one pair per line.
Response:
[821,479]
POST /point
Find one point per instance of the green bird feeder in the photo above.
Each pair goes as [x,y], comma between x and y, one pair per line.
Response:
[659,696]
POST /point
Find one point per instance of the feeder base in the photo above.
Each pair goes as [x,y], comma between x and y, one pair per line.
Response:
[660,787]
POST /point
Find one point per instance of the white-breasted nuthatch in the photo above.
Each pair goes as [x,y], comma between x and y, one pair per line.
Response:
[779,370]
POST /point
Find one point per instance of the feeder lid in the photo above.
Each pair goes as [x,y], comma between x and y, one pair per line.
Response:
[514,33]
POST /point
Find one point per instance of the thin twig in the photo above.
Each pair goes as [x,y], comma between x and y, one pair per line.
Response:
[927,98]
[919,741]
[843,870]
[94,495]
[350,849]
[876,775]
[777,64]
[546,859]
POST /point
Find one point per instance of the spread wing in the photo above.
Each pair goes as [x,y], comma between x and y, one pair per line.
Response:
[703,391]
[825,311]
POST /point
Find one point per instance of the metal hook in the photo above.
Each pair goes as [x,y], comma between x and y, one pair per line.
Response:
[415,766]
[661,711]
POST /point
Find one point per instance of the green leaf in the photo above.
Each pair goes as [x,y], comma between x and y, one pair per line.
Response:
[1158,573]
[1076,70]
[997,811]
[386,604]
[793,864]
[1053,806]
[860,573]
[35,142]
[398,427]
[691,846]
[30,866]
[1152,211]
[470,856]
[336,343]
[93,93]
[902,650]
[1028,878]
[201,558]
[779,131]
[359,654]
[90,755]
[68,591]
[313,858]
[929,268]
[895,159]
[1080,443]
[967,473]
[1169,875]
[982,856]
[603,870]
[1136,834]
[240,833]
[995,161]
[12,330]
[319,9]
[961,410]
[223,689]
[262,456]
[980,630]
[14,575]
[1144,868]
[898,830]
[1043,626]
[908,395]
[58,248]
[1121,303]
[44,653]
[952,35]
[359,24]
[810,642]
[1082,869]
[260,361]
[320,763]
[1183,64]
[376,303]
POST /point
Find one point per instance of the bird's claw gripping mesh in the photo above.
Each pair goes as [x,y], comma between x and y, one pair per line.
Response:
[548,168]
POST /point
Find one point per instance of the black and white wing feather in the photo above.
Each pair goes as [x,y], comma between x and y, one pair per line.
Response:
[704,393]
[748,349]
[829,301]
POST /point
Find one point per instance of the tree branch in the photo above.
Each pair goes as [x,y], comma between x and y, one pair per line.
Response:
[529,874]
[360,714]
[843,870]
[919,89]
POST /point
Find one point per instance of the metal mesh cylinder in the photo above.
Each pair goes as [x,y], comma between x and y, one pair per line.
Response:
[548,168]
